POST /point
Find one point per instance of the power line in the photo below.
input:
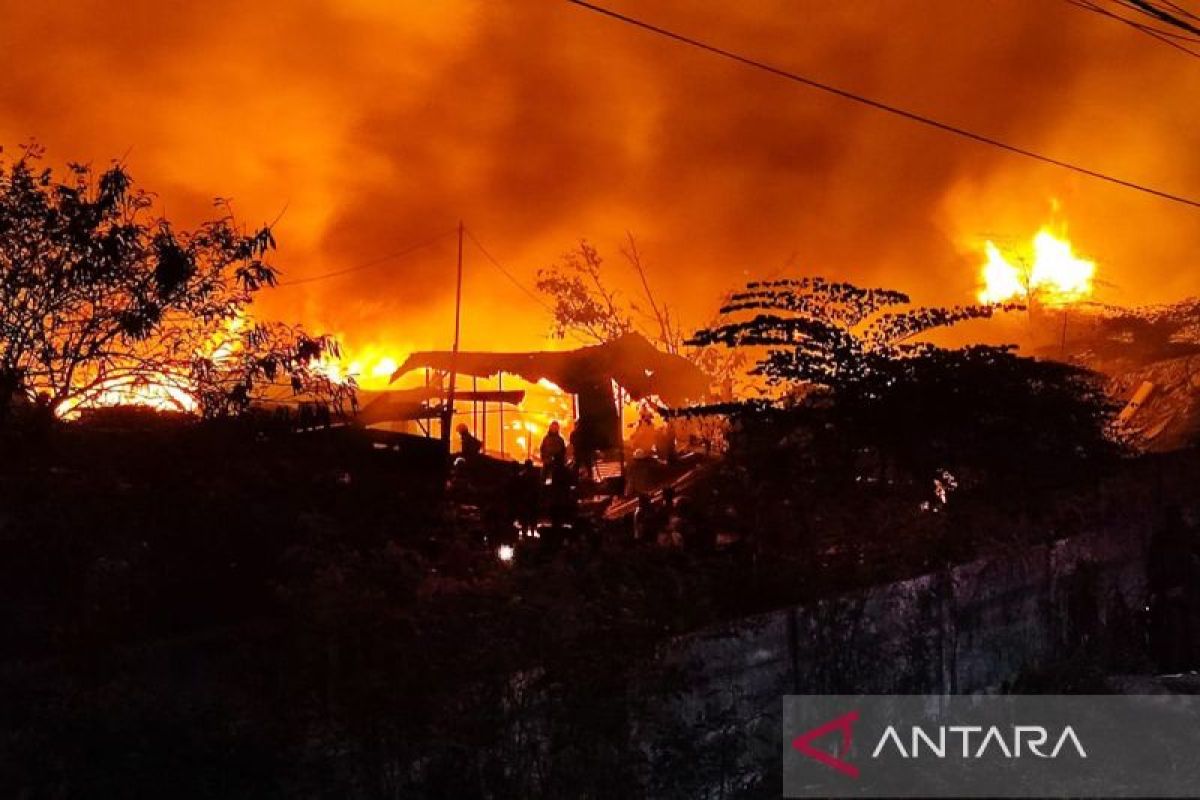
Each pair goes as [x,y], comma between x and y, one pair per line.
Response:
[373,262]
[880,105]
[1183,37]
[1166,37]
[1181,10]
[516,282]
[504,271]
[1153,11]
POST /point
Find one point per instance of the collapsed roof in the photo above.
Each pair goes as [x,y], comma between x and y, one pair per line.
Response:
[400,405]
[635,364]
[1152,354]
[1164,409]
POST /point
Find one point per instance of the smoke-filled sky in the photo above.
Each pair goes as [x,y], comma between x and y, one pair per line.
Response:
[373,125]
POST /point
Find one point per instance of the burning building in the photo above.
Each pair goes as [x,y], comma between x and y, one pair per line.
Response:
[599,378]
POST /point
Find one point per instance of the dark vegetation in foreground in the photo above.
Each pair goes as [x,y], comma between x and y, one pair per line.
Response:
[206,609]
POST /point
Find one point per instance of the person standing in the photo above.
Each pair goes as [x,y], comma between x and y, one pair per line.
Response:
[553,450]
[583,450]
[471,446]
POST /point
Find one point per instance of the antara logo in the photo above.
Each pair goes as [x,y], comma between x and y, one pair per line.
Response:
[844,723]
[1021,741]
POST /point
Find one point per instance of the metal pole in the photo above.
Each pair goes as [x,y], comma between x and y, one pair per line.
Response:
[448,400]
[500,387]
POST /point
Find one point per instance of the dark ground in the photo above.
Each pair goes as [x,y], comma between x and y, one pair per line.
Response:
[216,611]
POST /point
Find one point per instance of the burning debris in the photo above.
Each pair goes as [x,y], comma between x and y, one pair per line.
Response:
[594,379]
[1151,356]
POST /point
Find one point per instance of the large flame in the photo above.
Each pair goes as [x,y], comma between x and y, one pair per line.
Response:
[1053,275]
[164,390]
[160,392]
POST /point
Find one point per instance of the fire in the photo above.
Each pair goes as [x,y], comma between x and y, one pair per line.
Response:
[370,366]
[1054,275]
[161,392]
[526,436]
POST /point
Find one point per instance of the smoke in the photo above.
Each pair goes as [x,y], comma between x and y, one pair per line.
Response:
[374,125]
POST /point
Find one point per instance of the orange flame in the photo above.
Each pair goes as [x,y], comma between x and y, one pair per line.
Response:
[1053,276]
[161,391]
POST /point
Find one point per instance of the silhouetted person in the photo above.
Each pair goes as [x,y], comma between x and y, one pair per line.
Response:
[670,533]
[647,520]
[665,444]
[644,436]
[470,444]
[584,447]
[553,450]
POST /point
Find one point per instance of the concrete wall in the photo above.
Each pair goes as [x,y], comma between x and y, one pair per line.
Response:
[972,628]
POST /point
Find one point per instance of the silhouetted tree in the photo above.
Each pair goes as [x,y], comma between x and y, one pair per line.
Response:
[865,396]
[585,305]
[97,293]
[588,307]
[827,335]
[268,361]
[1138,335]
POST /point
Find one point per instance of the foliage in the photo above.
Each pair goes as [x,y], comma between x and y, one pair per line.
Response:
[584,305]
[1146,333]
[266,362]
[831,335]
[868,400]
[587,307]
[96,292]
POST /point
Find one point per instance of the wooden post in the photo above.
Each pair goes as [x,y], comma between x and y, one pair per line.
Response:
[424,424]
[621,430]
[448,398]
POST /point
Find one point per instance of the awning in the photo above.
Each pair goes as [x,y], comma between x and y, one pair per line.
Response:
[630,360]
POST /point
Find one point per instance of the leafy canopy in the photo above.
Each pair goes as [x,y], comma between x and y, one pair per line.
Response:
[98,293]
[826,334]
[862,381]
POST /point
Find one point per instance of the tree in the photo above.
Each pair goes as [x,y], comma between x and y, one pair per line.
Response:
[827,335]
[265,362]
[862,388]
[587,307]
[99,296]
[1140,335]
[584,306]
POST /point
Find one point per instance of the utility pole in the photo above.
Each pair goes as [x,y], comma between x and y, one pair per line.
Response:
[448,399]
[1063,346]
